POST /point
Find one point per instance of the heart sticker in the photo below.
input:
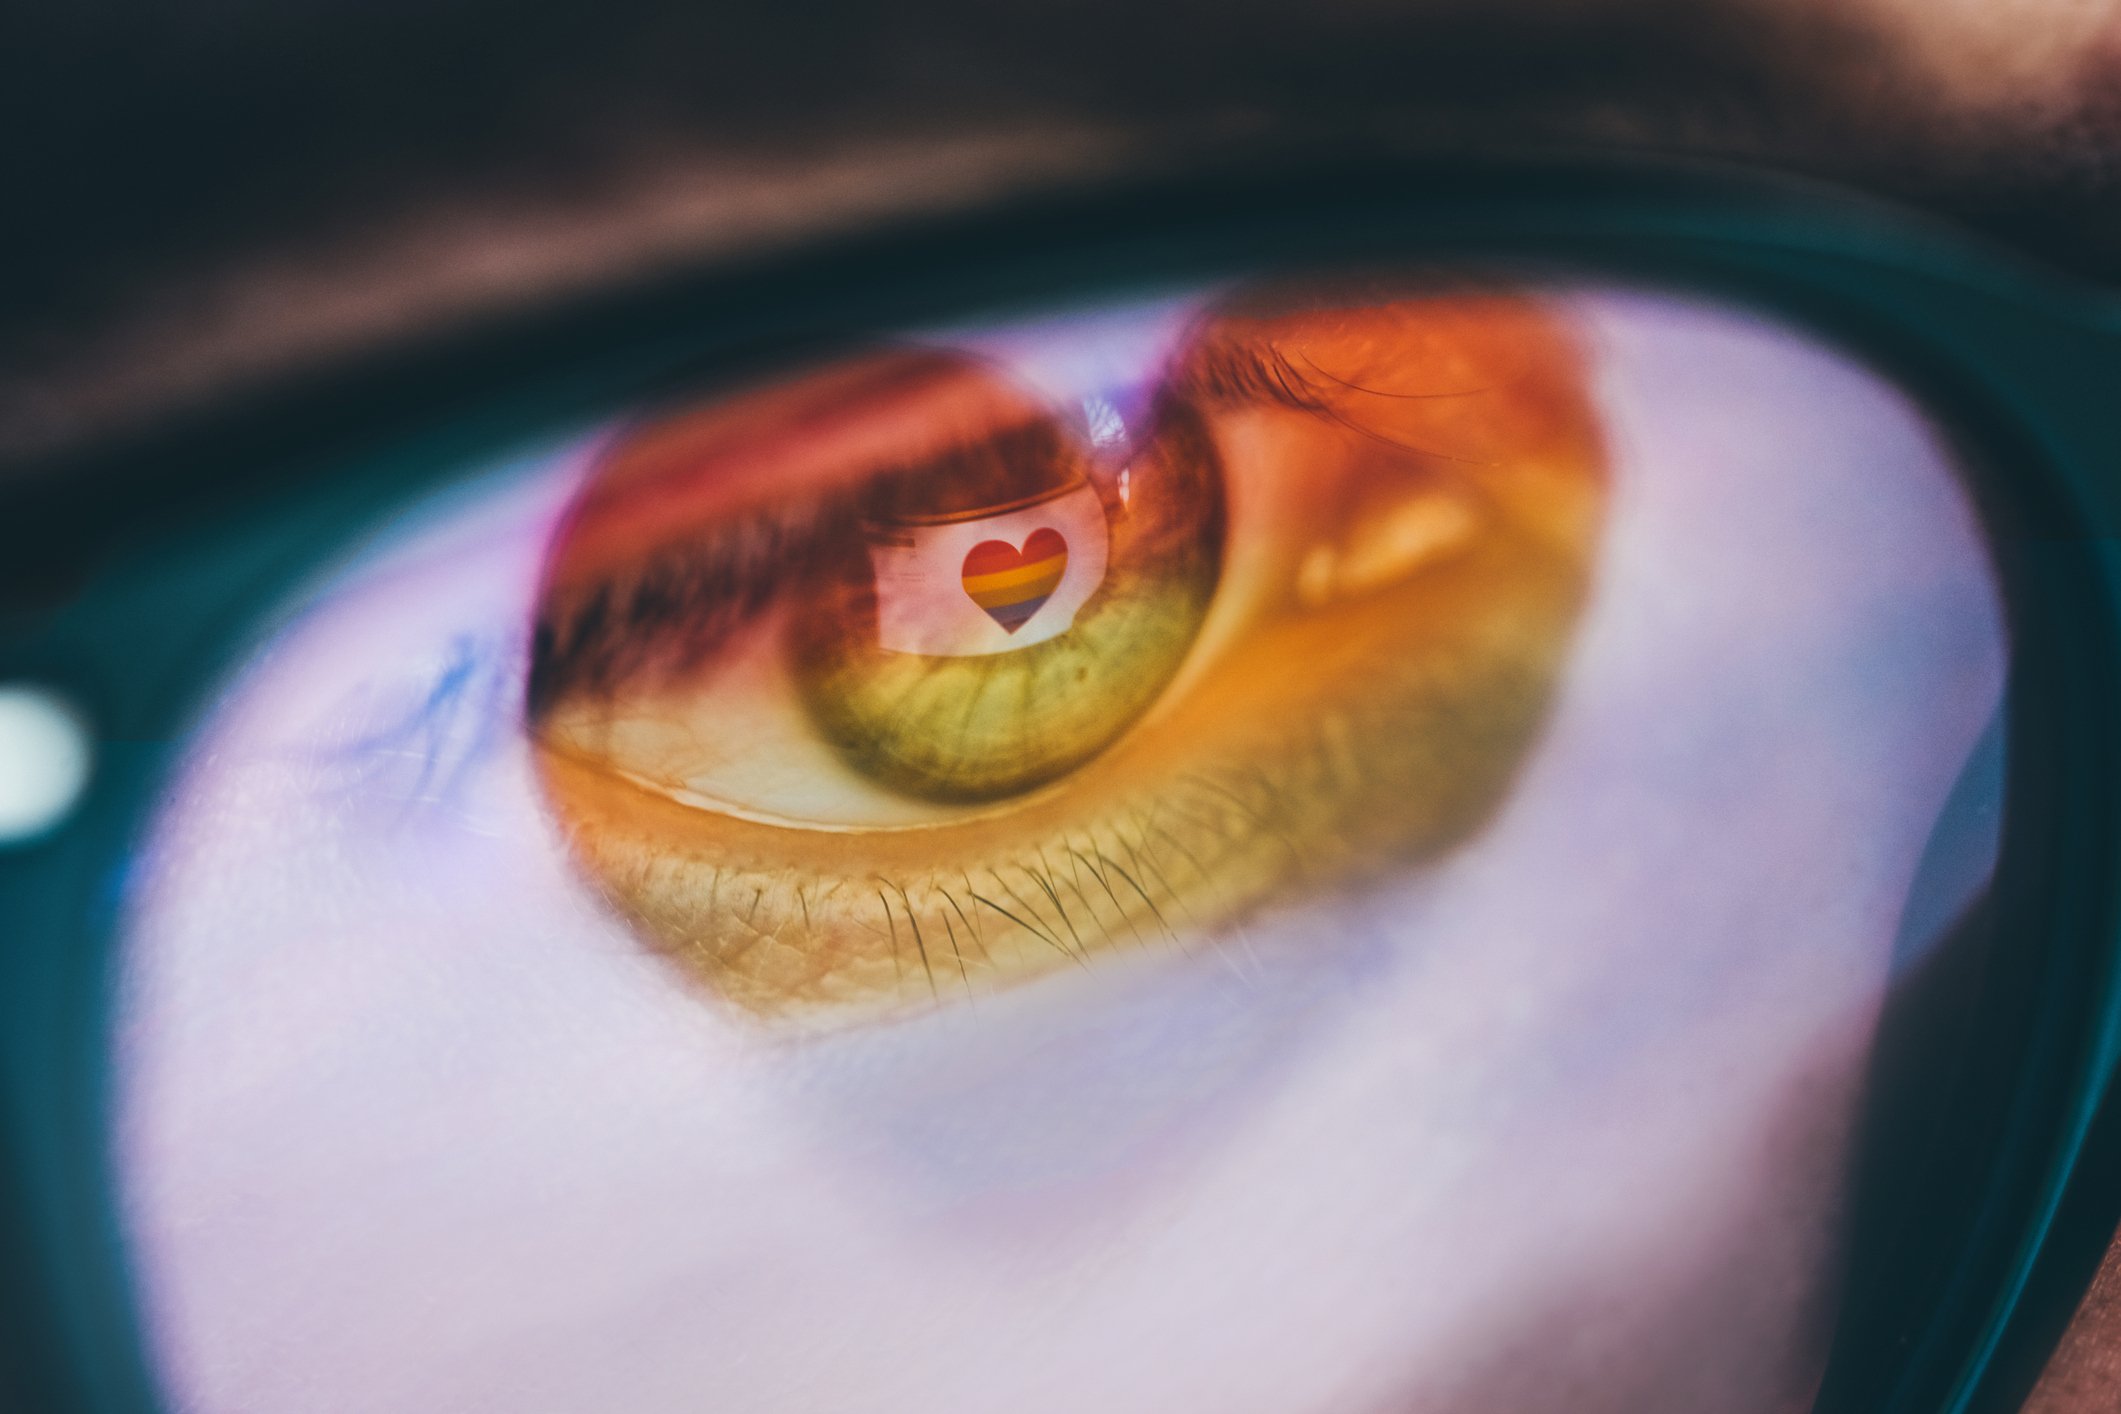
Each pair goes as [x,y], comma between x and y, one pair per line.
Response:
[1011,584]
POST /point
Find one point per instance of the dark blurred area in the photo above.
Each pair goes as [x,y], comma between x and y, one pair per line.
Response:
[162,160]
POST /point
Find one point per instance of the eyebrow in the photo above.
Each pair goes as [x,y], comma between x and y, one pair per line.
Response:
[225,199]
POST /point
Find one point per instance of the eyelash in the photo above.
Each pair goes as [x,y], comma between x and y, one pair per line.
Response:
[677,608]
[1218,822]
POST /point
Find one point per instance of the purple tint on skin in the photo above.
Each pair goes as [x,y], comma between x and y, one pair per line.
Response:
[1112,352]
[406,1123]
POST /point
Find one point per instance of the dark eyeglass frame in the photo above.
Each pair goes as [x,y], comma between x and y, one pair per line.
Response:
[133,576]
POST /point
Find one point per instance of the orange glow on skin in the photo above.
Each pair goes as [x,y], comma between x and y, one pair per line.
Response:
[1427,660]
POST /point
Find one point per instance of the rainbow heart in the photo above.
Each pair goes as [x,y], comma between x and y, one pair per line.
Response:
[1011,584]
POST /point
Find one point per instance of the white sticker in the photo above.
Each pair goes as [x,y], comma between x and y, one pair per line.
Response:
[989,581]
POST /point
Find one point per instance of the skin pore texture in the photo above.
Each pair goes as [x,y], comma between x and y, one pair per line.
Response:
[429,173]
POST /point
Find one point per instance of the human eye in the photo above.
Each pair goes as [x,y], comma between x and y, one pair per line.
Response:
[1323,839]
[912,677]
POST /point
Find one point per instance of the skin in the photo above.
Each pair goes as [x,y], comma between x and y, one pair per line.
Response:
[1578,1094]
[428,174]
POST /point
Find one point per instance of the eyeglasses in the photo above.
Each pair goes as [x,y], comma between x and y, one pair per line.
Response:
[154,585]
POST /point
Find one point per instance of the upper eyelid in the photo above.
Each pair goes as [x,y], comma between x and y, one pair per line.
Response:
[811,437]
[695,487]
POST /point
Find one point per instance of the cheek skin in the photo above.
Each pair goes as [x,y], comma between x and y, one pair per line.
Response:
[1404,575]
